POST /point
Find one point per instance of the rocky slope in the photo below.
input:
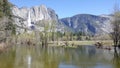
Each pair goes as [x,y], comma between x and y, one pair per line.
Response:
[90,24]
[26,17]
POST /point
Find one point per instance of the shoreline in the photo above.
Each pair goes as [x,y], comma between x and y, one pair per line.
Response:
[73,44]
[79,43]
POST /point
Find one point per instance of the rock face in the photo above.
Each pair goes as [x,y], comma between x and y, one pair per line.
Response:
[25,17]
[90,24]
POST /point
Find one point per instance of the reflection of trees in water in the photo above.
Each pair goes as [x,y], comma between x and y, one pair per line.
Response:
[7,59]
[91,51]
[52,57]
[32,58]
[116,59]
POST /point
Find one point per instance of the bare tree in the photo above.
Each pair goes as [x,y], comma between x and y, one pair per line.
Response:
[45,33]
[52,29]
[115,35]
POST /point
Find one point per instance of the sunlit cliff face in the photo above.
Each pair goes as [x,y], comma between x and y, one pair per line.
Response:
[32,15]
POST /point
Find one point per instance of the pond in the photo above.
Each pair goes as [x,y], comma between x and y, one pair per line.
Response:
[58,57]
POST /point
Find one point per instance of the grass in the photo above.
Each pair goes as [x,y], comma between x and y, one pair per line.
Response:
[104,42]
[82,42]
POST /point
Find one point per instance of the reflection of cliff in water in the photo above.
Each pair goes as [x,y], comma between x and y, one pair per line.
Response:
[58,57]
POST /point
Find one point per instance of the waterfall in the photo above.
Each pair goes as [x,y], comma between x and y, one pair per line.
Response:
[29,20]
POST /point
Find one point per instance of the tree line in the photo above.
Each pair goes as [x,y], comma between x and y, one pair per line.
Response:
[7,26]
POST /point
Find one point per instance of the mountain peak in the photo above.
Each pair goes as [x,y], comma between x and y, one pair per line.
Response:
[44,6]
[33,14]
[90,24]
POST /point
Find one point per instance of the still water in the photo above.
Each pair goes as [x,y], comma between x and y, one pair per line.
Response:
[58,57]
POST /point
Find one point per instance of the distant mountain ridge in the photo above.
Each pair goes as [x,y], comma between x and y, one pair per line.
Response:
[87,23]
[90,24]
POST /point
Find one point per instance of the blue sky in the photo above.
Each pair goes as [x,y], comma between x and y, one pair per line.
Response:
[68,8]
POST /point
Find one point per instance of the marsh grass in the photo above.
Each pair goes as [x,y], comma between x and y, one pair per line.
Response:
[85,42]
